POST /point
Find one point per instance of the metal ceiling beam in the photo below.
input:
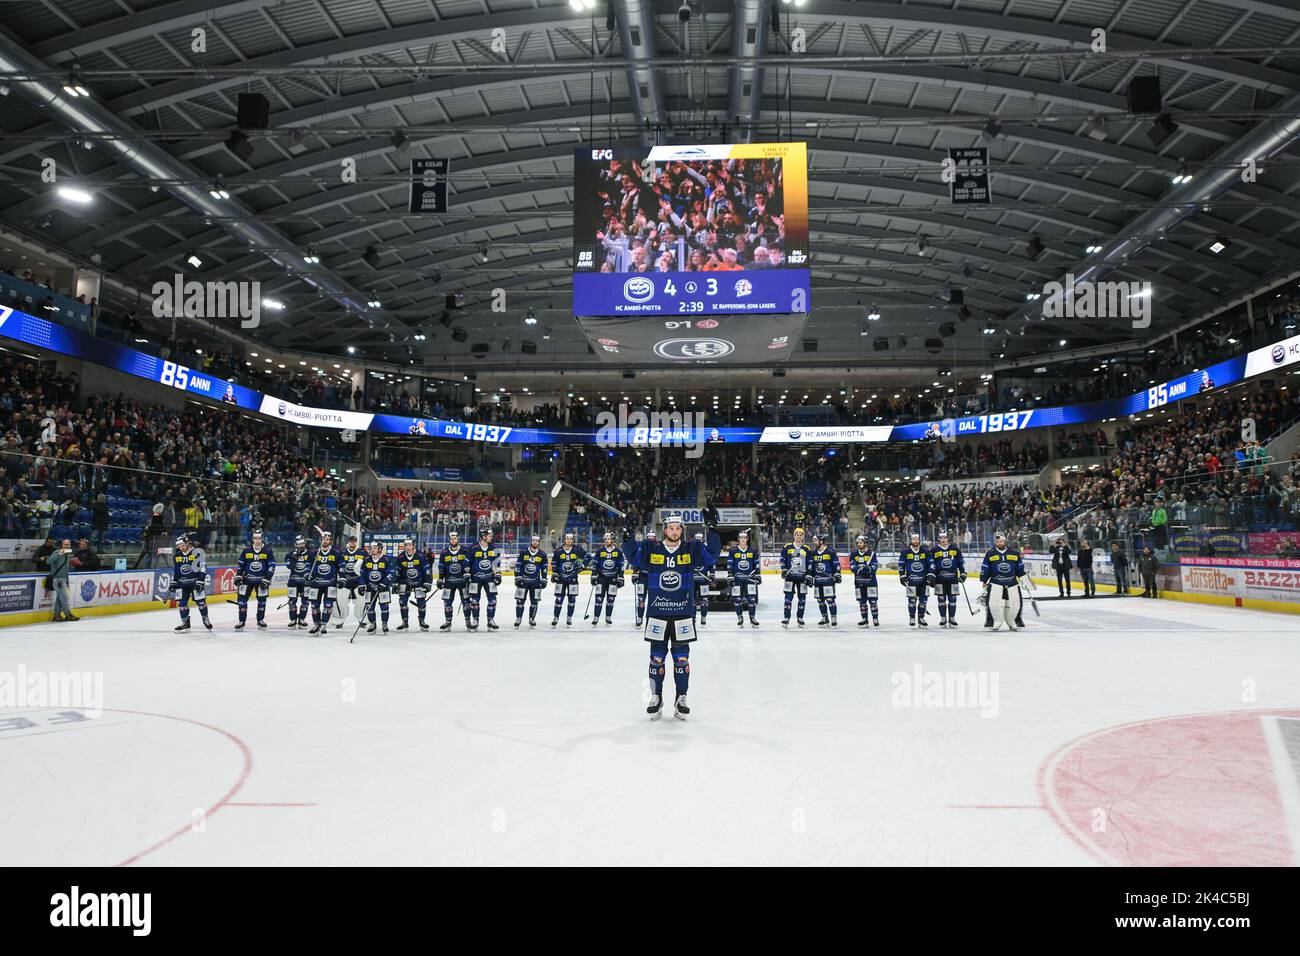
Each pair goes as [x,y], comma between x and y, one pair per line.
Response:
[636,34]
[1260,145]
[749,22]
[86,115]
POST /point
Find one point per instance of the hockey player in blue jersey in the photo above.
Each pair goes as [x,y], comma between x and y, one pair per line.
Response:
[349,600]
[702,586]
[530,581]
[744,567]
[670,569]
[863,564]
[794,572]
[411,577]
[485,578]
[376,575]
[947,572]
[322,583]
[639,577]
[567,562]
[253,572]
[299,563]
[453,579]
[606,577]
[913,572]
[1001,573]
[189,582]
[824,569]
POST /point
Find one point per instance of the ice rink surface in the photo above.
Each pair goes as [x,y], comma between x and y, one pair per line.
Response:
[1111,731]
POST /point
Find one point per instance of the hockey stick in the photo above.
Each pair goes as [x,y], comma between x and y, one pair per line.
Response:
[587,612]
[969,606]
[1030,591]
[370,606]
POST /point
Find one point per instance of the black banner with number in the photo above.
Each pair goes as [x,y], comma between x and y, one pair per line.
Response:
[970,182]
[429,184]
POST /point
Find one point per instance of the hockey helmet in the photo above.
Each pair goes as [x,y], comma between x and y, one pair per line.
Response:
[183,542]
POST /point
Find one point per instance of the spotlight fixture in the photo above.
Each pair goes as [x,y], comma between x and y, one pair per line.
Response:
[483,251]
[530,318]
[1182,176]
[921,246]
[1218,245]
[194,260]
[1033,296]
[311,258]
[275,305]
[72,194]
[218,190]
[873,315]
[1094,247]
[546,332]
[352,350]
[73,86]
[1095,127]
[375,304]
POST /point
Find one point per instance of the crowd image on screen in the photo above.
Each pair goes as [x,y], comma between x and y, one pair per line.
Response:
[723,215]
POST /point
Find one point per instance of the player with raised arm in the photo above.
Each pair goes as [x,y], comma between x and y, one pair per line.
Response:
[864,565]
[376,575]
[322,583]
[1001,574]
[453,579]
[607,577]
[947,572]
[349,576]
[299,564]
[670,598]
[913,573]
[410,575]
[794,572]
[253,573]
[824,565]
[639,577]
[485,578]
[567,562]
[744,565]
[189,582]
[530,581]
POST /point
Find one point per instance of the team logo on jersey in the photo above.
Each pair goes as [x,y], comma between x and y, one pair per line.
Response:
[608,565]
[742,565]
[638,289]
[670,581]
[301,566]
[255,566]
[1004,567]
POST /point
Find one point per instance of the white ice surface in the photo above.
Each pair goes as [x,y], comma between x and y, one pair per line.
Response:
[531,746]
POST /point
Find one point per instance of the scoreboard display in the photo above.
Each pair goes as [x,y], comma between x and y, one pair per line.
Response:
[691,230]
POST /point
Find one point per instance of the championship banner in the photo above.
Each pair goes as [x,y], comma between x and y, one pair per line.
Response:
[691,230]
[969,169]
[429,184]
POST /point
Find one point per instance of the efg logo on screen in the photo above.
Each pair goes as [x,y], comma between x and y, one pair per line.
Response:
[693,348]
[638,289]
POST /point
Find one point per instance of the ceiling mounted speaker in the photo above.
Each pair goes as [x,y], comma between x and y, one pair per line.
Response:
[1144,94]
[479,349]
[1036,247]
[629,374]
[528,348]
[954,296]
[881,344]
[1161,129]
[934,345]
[254,111]
[947,330]
[459,335]
[371,257]
[810,345]
[238,144]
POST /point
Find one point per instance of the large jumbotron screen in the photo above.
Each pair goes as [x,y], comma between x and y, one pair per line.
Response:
[691,230]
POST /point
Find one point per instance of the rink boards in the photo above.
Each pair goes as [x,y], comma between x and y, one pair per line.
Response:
[1267,584]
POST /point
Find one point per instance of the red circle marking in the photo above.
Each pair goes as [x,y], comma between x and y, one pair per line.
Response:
[1191,790]
[226,797]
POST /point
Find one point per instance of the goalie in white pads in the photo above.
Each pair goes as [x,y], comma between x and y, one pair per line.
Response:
[1001,574]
